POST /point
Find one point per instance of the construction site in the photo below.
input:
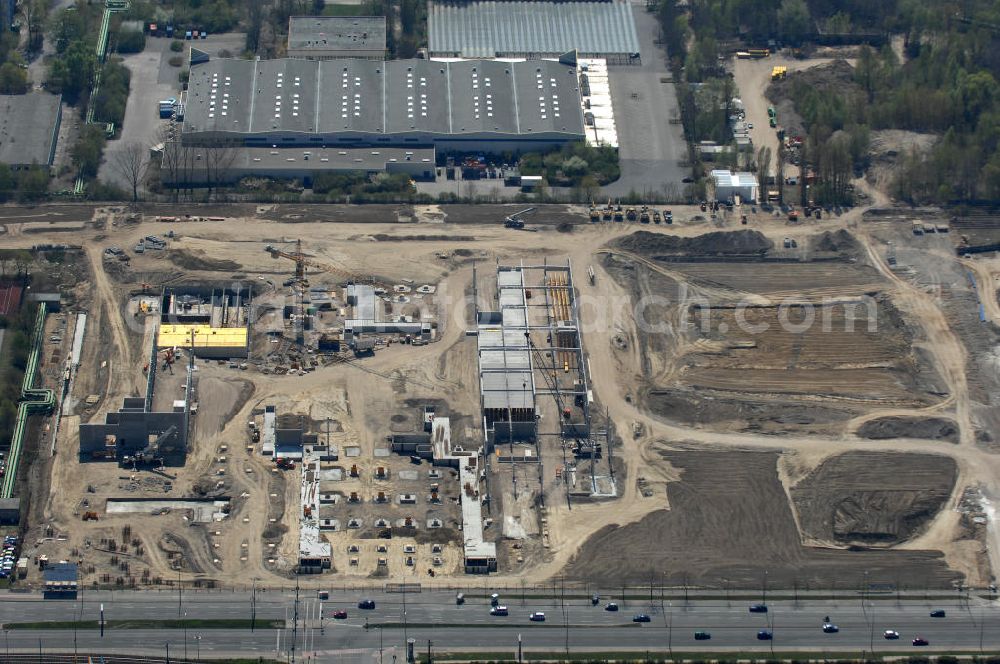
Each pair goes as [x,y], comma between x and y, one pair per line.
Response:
[426,394]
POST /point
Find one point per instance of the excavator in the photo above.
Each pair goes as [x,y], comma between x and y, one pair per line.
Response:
[152,452]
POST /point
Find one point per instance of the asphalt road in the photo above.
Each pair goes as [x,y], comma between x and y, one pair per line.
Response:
[436,617]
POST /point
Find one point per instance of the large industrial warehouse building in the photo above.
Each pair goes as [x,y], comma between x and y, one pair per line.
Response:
[483,106]
[513,29]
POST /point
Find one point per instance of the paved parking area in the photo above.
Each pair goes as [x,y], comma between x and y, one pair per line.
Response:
[651,149]
[153,79]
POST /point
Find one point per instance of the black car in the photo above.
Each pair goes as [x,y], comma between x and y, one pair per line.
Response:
[702,636]
[758,608]
[920,641]
[830,628]
[640,617]
[764,635]
[366,604]
[611,606]
[937,613]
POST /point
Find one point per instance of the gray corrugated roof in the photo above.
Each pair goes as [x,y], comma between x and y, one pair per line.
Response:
[375,97]
[489,29]
[27,127]
[362,34]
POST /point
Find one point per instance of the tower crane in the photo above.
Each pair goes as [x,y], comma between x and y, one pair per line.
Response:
[302,261]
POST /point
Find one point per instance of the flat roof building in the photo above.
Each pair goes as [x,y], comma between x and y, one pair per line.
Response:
[514,29]
[729,185]
[29,129]
[332,37]
[464,106]
[61,581]
[208,341]
[302,163]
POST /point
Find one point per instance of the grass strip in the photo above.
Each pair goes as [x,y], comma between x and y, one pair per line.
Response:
[499,624]
[189,623]
[634,656]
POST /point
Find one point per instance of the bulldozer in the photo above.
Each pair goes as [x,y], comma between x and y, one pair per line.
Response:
[594,214]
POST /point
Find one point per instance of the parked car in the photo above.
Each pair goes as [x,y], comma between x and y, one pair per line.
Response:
[758,608]
[920,641]
[640,618]
[890,634]
[937,613]
[764,635]
[340,614]
[610,606]
[537,616]
[702,636]
[366,604]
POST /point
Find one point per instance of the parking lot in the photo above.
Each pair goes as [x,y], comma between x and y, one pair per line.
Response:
[153,79]
[644,99]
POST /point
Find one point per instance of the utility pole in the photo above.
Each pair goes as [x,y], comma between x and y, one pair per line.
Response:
[429,643]
[295,621]
[405,641]
[179,590]
[253,604]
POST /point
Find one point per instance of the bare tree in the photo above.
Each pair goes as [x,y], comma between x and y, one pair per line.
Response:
[255,21]
[779,172]
[131,162]
[764,164]
[219,158]
[34,13]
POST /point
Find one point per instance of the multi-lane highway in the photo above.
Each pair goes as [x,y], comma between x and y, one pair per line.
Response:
[970,625]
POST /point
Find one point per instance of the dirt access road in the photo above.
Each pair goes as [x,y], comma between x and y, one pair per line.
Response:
[752,78]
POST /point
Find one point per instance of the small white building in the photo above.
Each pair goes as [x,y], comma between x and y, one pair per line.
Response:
[729,185]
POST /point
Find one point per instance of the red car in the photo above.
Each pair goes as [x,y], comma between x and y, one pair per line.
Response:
[340,615]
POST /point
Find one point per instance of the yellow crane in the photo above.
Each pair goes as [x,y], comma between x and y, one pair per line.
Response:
[302,261]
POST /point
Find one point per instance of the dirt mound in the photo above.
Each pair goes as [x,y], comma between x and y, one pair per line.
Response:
[873,498]
[729,521]
[835,77]
[190,260]
[931,428]
[841,243]
[719,243]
